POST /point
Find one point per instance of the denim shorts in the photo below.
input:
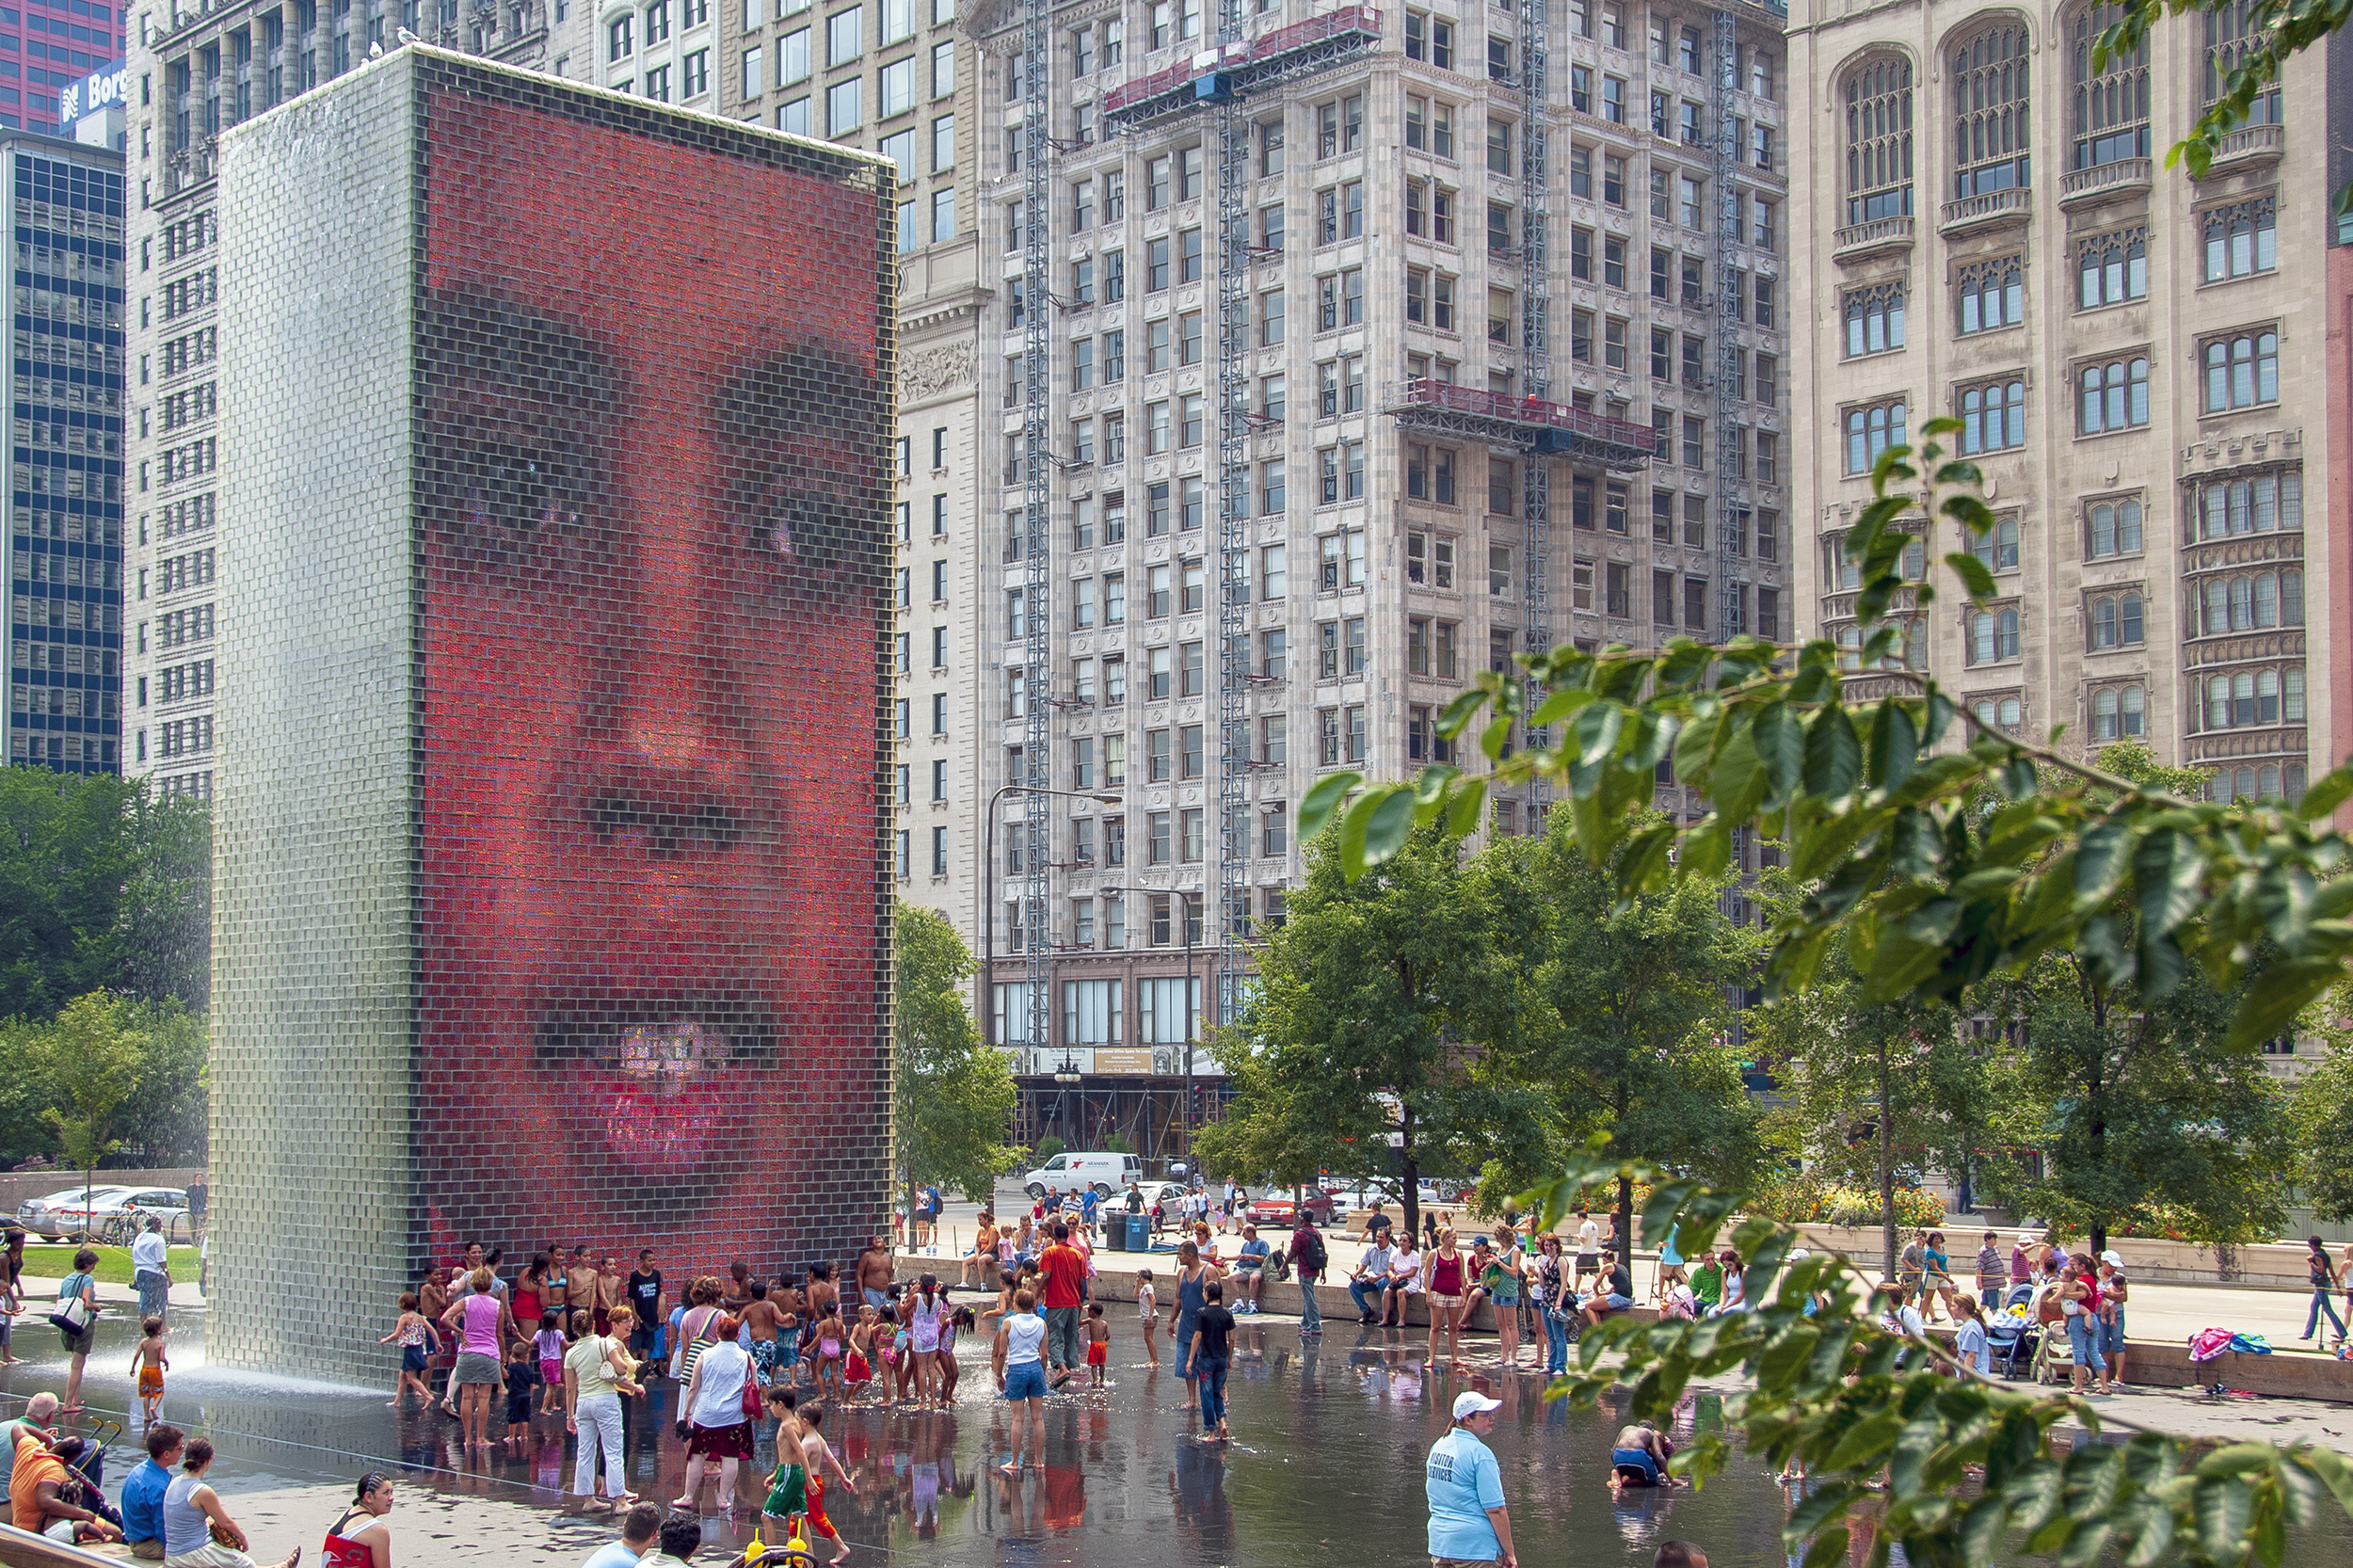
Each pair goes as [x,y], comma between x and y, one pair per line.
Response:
[2112,1337]
[1025,1381]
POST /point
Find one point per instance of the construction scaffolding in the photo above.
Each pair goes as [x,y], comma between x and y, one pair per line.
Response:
[1732,509]
[1221,79]
[1033,683]
[1535,338]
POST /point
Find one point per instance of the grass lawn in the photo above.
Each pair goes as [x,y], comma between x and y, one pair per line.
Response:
[114,1263]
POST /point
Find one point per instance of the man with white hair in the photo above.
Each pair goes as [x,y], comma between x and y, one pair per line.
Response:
[40,1419]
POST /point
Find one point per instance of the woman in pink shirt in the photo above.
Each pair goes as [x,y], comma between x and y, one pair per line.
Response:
[482,1326]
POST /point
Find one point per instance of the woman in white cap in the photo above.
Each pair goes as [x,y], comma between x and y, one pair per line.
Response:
[1468,1521]
[2114,1291]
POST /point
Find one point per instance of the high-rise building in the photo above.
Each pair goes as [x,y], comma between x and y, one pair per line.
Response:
[193,73]
[1333,355]
[62,356]
[60,43]
[1986,229]
[895,76]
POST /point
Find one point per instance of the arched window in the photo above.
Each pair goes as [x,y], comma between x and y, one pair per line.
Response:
[2104,623]
[2136,710]
[2228,41]
[2004,713]
[2103,713]
[1879,140]
[2114,529]
[1991,132]
[2292,694]
[2112,110]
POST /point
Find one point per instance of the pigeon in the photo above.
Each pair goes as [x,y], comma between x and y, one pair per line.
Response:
[375,50]
[406,37]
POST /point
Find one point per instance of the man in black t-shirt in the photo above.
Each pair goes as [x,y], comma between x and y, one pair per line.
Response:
[1614,1292]
[1212,1332]
[645,1297]
[1377,1226]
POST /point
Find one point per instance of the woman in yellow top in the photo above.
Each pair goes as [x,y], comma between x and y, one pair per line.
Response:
[596,1373]
[983,1252]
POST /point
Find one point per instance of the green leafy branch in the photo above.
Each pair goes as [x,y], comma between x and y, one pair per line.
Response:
[1894,1436]
[2275,31]
[1939,850]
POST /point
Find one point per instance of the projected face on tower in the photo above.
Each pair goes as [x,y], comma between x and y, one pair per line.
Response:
[653,552]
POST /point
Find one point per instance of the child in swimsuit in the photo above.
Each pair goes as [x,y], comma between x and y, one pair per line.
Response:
[149,1359]
[861,1370]
[1099,1344]
[831,1336]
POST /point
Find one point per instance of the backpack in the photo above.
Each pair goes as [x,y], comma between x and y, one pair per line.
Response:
[1313,1255]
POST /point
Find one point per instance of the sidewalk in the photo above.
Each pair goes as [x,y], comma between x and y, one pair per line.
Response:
[37,1291]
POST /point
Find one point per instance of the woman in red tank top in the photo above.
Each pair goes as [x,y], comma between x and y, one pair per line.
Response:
[1442,1292]
[361,1539]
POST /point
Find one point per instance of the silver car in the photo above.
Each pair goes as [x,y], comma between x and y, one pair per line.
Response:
[60,1214]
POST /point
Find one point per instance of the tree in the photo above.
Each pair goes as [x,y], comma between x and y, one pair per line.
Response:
[1365,1033]
[1623,1020]
[1938,852]
[953,1095]
[163,1122]
[2320,1114]
[162,939]
[90,1055]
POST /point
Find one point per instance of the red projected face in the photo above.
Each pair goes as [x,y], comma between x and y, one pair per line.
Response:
[653,556]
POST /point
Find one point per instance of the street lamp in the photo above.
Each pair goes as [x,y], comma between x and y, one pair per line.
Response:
[988,893]
[1184,1108]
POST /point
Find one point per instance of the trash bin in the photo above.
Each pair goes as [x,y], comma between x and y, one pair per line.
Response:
[1116,1233]
[1139,1232]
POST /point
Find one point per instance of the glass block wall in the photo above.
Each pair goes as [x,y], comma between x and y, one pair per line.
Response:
[551,861]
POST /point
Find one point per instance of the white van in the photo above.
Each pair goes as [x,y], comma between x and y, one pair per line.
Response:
[1106,1172]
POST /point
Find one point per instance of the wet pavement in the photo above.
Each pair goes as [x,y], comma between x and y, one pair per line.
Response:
[1325,1466]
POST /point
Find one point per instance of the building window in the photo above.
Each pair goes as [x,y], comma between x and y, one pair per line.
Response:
[1871,430]
[1993,636]
[1993,294]
[1875,320]
[2112,528]
[1992,127]
[2248,698]
[2119,712]
[2241,371]
[2111,106]
[1879,140]
[1993,417]
[2250,504]
[1997,547]
[2115,395]
[2229,40]
[2115,621]
[2112,268]
[2005,713]
[2241,239]
[2251,601]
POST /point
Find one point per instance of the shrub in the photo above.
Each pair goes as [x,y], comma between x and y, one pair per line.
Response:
[1047,1147]
[1801,1201]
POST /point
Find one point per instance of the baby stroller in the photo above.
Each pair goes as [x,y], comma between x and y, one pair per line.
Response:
[2055,1358]
[2006,1343]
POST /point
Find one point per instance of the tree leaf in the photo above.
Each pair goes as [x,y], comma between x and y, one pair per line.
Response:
[1780,741]
[1316,808]
[1834,755]
[1974,574]
[1470,798]
[1894,747]
[1387,826]
[2166,869]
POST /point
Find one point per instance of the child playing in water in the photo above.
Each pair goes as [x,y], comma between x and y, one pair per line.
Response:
[832,1343]
[148,1359]
[419,1344]
[1099,1344]
[522,1371]
[548,1346]
[858,1372]
[1147,1313]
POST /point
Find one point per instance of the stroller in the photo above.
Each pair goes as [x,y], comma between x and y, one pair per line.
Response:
[2008,1342]
[2054,1358]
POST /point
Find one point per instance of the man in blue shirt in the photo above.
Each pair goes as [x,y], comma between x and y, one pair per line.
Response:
[1250,1267]
[143,1492]
[1468,1523]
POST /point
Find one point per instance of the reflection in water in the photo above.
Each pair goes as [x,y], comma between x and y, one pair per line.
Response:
[1327,1458]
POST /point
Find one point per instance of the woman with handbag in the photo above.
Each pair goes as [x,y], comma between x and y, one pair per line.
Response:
[76,1318]
[596,1373]
[198,1531]
[721,1401]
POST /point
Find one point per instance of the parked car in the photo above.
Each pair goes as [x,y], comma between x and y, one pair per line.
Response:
[1277,1209]
[60,1214]
[118,1224]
